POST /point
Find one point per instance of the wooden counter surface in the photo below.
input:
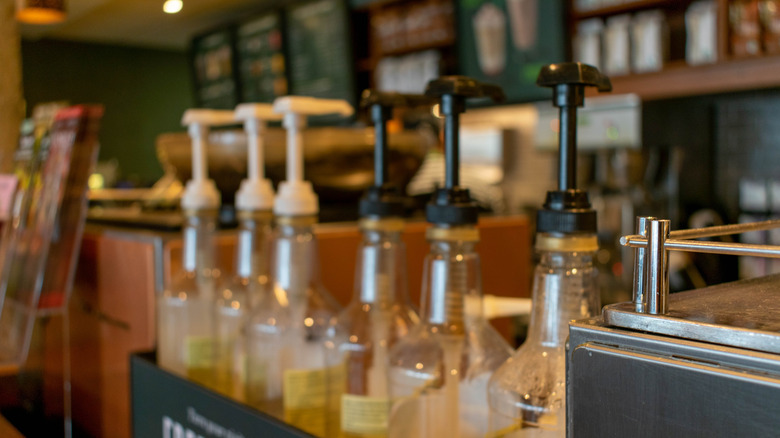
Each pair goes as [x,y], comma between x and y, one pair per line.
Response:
[8,431]
[7,370]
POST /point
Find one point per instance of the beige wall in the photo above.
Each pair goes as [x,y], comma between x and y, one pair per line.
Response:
[11,103]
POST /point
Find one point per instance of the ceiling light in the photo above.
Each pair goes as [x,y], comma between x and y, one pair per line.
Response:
[172,6]
[40,11]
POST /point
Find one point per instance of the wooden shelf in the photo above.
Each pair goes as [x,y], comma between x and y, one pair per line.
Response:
[631,6]
[374,5]
[365,64]
[442,44]
[369,64]
[8,370]
[683,80]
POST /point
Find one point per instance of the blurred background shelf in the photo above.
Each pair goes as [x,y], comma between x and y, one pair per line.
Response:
[682,80]
[629,6]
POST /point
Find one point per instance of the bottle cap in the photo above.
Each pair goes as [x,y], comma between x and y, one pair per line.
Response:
[566,212]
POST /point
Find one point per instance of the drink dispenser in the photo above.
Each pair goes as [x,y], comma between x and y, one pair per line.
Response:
[526,394]
[439,372]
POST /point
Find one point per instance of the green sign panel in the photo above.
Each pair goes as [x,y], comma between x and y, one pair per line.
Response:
[506,42]
[261,63]
[319,50]
[215,83]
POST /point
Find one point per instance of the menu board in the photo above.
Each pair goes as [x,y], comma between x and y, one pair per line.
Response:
[215,83]
[319,50]
[357,4]
[261,61]
[506,42]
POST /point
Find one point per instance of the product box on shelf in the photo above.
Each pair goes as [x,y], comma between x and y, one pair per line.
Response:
[169,406]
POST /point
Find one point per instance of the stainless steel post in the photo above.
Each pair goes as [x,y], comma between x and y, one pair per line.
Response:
[640,297]
[657,267]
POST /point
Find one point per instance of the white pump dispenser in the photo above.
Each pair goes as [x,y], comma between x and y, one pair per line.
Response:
[185,338]
[286,369]
[200,191]
[296,197]
[255,192]
[238,293]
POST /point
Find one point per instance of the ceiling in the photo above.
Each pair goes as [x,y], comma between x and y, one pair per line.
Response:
[142,23]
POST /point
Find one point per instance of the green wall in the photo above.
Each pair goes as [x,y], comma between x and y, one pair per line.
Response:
[144,91]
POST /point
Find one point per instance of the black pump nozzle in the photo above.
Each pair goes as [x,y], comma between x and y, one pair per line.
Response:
[568,209]
[382,199]
[452,205]
[568,81]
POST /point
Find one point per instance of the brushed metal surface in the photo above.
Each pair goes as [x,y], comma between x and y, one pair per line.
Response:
[622,383]
[744,314]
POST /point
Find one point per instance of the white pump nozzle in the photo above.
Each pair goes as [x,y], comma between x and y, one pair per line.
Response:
[255,192]
[201,192]
[296,197]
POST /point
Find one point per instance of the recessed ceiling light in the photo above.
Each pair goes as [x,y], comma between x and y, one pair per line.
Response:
[172,6]
[40,12]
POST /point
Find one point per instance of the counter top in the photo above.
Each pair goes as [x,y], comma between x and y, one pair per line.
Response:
[7,430]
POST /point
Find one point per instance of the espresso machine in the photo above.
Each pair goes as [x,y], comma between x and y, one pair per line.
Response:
[704,362]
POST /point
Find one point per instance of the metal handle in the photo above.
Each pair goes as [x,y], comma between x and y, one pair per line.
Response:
[635,240]
[744,249]
[653,242]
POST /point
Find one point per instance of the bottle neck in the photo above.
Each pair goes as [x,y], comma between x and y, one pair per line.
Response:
[295,262]
[381,274]
[452,290]
[252,247]
[198,242]
[565,289]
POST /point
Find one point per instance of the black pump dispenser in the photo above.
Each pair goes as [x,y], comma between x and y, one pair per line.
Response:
[452,205]
[568,210]
[383,199]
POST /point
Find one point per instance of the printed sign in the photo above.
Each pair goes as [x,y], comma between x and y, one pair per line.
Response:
[166,405]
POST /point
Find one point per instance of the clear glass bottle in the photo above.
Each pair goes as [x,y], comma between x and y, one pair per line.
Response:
[185,309]
[439,373]
[286,370]
[378,315]
[237,295]
[527,394]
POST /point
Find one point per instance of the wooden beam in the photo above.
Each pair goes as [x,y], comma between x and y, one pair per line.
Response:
[11,102]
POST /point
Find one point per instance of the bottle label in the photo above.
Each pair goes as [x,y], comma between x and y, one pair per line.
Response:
[256,381]
[304,388]
[305,397]
[307,400]
[199,359]
[547,423]
[199,352]
[364,415]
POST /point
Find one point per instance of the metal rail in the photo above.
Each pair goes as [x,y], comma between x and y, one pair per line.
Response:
[654,240]
[637,241]
[743,249]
